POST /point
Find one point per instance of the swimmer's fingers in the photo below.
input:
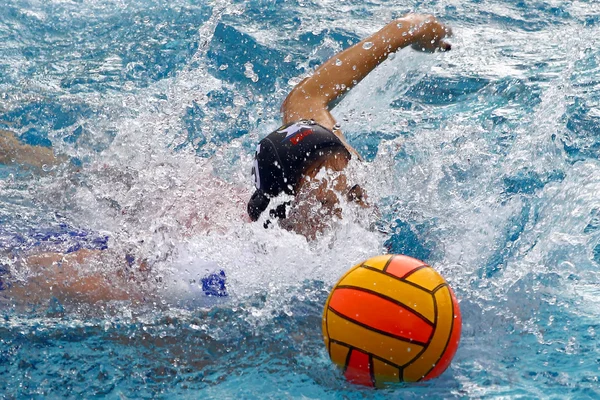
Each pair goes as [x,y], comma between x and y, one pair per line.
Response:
[445,45]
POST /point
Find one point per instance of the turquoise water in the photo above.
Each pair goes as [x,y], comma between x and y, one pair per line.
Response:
[483,161]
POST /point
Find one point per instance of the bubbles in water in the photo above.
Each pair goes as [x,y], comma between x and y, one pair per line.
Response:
[249,72]
[294,81]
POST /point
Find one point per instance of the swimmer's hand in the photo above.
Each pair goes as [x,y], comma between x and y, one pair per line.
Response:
[427,33]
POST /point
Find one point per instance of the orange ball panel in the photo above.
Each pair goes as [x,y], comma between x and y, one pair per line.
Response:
[414,298]
[400,265]
[379,314]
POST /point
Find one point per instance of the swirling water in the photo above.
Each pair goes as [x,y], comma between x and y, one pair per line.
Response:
[483,161]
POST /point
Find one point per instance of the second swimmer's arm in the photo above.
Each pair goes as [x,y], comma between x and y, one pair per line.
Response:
[310,99]
[12,151]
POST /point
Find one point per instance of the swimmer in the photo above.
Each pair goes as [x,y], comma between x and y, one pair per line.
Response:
[303,158]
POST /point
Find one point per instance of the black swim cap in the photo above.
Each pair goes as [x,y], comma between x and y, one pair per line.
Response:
[283,156]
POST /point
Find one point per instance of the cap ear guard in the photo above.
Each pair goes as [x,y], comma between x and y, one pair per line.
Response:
[268,172]
[257,204]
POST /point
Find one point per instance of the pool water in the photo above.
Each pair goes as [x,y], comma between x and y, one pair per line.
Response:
[482,161]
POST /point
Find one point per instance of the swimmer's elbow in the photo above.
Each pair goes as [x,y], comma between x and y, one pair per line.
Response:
[302,103]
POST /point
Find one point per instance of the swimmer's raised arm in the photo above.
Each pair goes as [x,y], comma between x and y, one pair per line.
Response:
[310,99]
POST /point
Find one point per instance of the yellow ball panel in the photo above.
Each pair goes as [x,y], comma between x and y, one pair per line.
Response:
[385,373]
[378,262]
[338,353]
[412,297]
[427,278]
[396,351]
[420,367]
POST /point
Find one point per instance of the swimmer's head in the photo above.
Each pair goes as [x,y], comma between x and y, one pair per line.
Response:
[334,160]
[284,157]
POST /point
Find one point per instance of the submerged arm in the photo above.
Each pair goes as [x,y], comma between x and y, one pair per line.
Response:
[12,151]
[78,276]
[310,99]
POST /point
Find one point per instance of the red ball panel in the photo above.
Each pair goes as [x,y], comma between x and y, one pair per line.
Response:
[400,265]
[358,369]
[380,314]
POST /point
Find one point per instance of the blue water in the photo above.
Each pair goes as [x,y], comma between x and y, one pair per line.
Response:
[483,161]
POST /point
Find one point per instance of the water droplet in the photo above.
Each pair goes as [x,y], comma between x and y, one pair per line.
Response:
[367,45]
[408,349]
[337,127]
[399,24]
[338,62]
[311,122]
[404,33]
[391,56]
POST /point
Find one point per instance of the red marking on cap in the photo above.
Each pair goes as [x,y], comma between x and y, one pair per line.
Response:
[297,138]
